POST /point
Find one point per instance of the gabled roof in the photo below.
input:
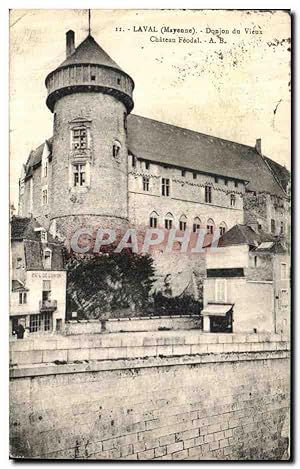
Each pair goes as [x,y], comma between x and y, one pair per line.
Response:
[259,241]
[274,248]
[35,156]
[34,255]
[240,234]
[23,228]
[89,52]
[27,228]
[164,143]
[17,285]
[280,172]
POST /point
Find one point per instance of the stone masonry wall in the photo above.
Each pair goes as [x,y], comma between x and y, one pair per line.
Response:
[172,395]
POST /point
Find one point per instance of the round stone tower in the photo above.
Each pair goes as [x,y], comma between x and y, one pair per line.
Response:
[90,97]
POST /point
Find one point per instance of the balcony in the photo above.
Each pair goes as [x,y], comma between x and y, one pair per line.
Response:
[48,305]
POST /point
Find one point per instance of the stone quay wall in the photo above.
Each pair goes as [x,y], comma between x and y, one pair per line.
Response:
[148,396]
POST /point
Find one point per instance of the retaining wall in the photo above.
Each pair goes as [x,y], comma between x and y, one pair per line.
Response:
[160,395]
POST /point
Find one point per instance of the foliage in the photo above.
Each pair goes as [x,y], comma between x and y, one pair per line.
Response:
[164,305]
[100,286]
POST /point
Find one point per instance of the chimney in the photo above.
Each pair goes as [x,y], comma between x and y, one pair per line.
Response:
[258,146]
[70,42]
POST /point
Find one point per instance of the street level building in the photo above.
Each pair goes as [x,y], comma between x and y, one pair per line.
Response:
[38,279]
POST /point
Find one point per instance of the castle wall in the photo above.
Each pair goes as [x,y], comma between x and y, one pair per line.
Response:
[187,197]
[181,395]
[263,207]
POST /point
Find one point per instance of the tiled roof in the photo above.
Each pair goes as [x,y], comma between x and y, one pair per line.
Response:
[35,156]
[243,234]
[16,285]
[156,141]
[89,52]
[164,143]
[23,228]
[280,172]
[34,255]
[275,248]
[240,234]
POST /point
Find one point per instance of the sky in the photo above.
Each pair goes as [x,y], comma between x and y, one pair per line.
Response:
[231,85]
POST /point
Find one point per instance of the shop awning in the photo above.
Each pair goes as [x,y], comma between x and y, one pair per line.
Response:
[216,309]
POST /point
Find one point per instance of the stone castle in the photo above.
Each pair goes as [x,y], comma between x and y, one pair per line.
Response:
[105,166]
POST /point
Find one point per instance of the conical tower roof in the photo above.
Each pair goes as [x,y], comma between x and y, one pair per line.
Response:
[89,52]
[88,69]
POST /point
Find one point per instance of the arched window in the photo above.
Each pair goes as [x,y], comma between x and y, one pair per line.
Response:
[222,228]
[153,220]
[168,221]
[210,226]
[116,149]
[196,224]
[182,223]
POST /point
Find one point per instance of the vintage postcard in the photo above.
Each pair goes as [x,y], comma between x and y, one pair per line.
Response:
[150,157]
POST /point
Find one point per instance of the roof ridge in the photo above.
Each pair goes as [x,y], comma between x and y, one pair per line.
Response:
[194,131]
[241,231]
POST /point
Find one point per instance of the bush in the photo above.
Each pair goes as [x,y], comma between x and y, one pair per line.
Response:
[169,306]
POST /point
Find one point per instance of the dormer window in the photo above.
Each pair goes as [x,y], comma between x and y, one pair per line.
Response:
[79,139]
[47,257]
[93,77]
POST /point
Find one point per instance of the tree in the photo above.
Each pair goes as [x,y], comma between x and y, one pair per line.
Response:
[101,285]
